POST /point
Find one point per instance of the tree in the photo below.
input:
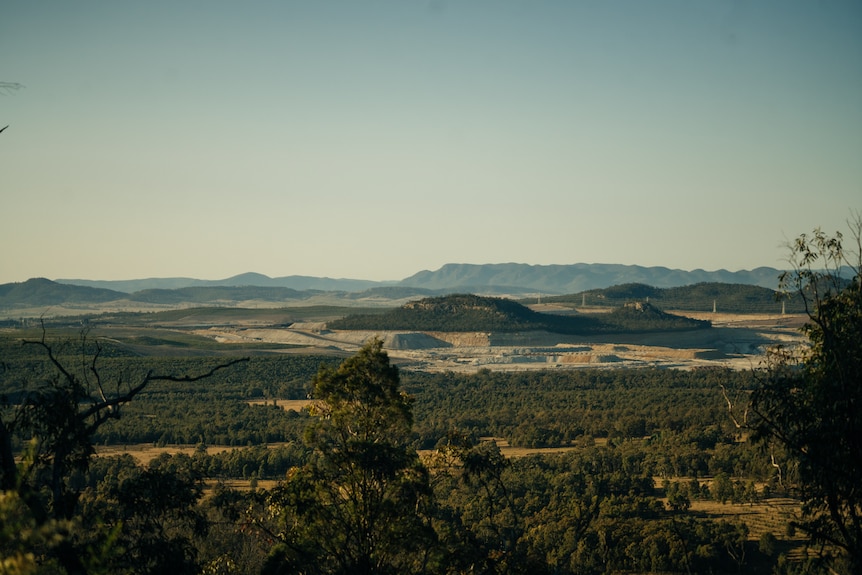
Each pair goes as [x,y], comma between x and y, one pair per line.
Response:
[358,505]
[810,402]
[478,520]
[152,514]
[57,418]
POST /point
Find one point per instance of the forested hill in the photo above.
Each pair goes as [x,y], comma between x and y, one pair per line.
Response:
[704,297]
[467,312]
[41,291]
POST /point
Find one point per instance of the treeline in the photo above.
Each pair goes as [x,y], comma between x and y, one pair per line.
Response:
[463,508]
[585,513]
[213,411]
[563,405]
[678,418]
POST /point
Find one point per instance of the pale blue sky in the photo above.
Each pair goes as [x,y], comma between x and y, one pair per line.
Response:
[375,139]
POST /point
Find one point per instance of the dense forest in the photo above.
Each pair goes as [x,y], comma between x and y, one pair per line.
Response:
[636,438]
[467,312]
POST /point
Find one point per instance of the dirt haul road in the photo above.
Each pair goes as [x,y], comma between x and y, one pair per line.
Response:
[735,341]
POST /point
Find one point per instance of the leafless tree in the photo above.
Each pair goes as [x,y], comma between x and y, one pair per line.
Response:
[60,416]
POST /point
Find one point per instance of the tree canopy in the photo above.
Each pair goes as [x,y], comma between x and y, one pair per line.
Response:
[810,402]
[355,507]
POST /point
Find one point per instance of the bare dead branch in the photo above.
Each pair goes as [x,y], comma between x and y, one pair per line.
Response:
[730,410]
[42,342]
[188,378]
[96,374]
[97,410]
[778,467]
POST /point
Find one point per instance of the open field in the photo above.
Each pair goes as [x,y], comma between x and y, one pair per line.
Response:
[769,516]
[286,404]
[144,453]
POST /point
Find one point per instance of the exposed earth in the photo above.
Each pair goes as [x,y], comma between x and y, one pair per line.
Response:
[735,341]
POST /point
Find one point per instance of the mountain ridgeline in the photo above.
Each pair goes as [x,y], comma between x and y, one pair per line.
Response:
[467,312]
[508,278]
[700,297]
[602,285]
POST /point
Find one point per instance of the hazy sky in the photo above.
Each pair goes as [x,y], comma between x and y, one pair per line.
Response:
[375,139]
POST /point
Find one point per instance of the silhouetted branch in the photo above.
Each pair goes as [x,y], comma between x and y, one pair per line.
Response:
[8,87]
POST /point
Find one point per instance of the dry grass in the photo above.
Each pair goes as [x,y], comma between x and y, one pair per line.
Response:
[144,453]
[285,404]
[238,484]
[768,516]
[510,451]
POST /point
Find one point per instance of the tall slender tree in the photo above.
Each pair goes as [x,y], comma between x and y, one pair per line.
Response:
[810,403]
[358,505]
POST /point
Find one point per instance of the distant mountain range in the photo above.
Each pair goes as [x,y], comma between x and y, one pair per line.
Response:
[514,280]
[242,280]
[574,278]
[495,278]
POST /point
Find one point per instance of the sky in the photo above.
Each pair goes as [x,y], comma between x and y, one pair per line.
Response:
[375,139]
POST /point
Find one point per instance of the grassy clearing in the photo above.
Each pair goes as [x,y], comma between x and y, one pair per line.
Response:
[511,451]
[285,404]
[239,484]
[144,453]
[769,516]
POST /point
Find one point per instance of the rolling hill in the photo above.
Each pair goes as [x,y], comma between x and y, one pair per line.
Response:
[726,297]
[41,291]
[704,297]
[467,312]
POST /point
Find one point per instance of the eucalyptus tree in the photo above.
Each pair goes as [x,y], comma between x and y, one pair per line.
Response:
[810,402]
[54,413]
[360,503]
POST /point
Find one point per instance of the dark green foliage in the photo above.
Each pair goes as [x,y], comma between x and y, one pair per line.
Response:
[682,411]
[355,507]
[645,317]
[214,411]
[808,403]
[465,312]
[624,293]
[56,411]
[149,515]
[450,313]
[590,512]
[470,510]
